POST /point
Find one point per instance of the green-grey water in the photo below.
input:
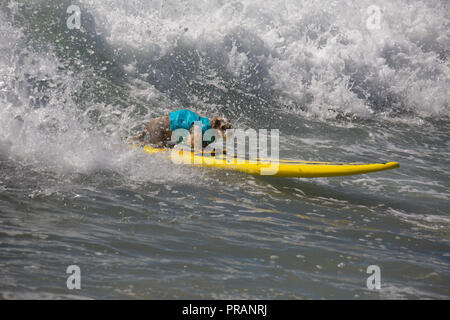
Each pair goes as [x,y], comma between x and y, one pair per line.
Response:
[141,227]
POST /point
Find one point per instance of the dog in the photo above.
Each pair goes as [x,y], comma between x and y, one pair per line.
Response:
[159,131]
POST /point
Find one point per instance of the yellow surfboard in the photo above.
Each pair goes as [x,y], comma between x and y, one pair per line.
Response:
[274,167]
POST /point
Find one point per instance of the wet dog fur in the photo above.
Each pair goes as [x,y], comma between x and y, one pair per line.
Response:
[158,133]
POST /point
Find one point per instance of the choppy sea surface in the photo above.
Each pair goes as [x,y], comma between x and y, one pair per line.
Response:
[342,80]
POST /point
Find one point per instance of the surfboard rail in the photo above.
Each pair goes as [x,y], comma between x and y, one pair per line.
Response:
[275,167]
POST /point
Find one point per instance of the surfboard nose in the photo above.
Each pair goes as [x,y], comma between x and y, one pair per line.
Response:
[393,165]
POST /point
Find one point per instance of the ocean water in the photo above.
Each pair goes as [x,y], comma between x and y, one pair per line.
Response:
[342,81]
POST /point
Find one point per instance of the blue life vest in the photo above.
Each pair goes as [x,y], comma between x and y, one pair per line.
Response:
[184,119]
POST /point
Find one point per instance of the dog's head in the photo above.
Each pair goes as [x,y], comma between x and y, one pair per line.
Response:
[221,124]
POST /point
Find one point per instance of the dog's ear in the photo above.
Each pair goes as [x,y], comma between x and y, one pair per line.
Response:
[215,122]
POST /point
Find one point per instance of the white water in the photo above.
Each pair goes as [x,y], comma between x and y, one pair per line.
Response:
[336,89]
[314,52]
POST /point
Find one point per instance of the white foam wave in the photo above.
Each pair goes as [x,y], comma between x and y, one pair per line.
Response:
[322,56]
[46,128]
